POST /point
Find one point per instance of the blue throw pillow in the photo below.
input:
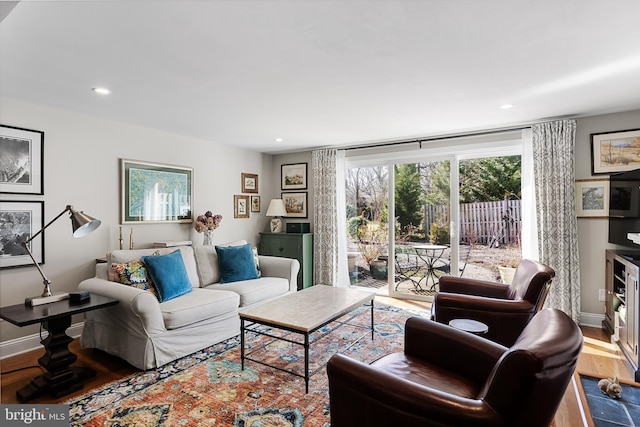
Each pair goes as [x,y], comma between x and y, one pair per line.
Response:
[169,275]
[236,263]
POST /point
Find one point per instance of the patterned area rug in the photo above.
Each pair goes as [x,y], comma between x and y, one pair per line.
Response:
[209,387]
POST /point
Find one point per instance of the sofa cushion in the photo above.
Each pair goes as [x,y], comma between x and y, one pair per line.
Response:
[236,263]
[168,274]
[122,256]
[255,291]
[132,274]
[198,305]
[207,262]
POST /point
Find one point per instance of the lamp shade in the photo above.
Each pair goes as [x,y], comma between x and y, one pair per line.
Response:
[276,208]
[83,224]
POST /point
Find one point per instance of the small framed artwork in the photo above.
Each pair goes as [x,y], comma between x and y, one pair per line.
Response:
[25,219]
[255,203]
[249,183]
[615,151]
[592,198]
[240,206]
[295,204]
[22,166]
[294,176]
[154,192]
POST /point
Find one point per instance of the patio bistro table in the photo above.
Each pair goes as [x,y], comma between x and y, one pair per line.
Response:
[430,254]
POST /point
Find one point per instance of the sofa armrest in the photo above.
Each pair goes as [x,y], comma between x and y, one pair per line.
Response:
[287,268]
[140,307]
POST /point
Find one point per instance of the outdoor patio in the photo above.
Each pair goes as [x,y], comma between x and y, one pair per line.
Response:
[482,264]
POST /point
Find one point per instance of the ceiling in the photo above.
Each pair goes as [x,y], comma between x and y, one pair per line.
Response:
[323,73]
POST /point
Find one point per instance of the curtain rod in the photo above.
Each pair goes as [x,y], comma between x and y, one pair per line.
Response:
[435,138]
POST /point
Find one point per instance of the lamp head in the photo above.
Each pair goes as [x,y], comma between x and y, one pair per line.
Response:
[81,223]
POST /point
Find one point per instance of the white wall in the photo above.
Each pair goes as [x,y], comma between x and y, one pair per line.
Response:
[593,233]
[81,168]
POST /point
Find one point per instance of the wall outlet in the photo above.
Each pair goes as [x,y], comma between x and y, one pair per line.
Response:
[601,295]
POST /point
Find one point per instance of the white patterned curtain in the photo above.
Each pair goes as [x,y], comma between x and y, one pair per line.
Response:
[554,174]
[325,217]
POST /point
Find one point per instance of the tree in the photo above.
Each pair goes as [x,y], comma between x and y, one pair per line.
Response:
[490,179]
[408,195]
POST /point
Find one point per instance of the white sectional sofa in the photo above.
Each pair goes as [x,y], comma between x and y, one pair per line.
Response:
[148,333]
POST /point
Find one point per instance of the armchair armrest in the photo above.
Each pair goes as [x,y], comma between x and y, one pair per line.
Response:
[139,307]
[466,285]
[451,348]
[287,268]
[363,395]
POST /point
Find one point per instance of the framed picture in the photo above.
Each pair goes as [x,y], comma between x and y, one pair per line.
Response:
[615,151]
[154,192]
[22,166]
[249,183]
[592,198]
[295,204]
[240,206]
[255,203]
[19,220]
[294,176]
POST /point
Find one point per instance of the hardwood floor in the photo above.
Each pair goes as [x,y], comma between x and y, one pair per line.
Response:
[599,358]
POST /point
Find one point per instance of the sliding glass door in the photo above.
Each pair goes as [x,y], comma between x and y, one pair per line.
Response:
[450,212]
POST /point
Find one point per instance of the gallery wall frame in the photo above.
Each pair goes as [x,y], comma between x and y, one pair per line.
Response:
[613,152]
[240,206]
[293,176]
[249,183]
[22,168]
[295,204]
[255,203]
[155,193]
[26,219]
[592,198]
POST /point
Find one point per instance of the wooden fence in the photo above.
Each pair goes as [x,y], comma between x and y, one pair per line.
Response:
[484,223]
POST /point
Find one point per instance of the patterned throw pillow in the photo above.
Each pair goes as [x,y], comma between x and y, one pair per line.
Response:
[256,260]
[134,274]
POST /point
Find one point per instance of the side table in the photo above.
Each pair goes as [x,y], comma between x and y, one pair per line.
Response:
[469,325]
[60,378]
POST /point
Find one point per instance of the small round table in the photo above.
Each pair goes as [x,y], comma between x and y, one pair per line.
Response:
[469,325]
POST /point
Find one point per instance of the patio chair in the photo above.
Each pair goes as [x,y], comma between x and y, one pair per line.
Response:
[407,268]
[463,257]
[448,377]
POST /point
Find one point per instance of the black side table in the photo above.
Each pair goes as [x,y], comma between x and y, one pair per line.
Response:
[60,379]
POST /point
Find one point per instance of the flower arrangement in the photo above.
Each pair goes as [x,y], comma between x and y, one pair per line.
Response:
[206,222]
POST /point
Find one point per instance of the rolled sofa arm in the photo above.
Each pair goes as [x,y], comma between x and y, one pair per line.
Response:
[287,268]
[136,305]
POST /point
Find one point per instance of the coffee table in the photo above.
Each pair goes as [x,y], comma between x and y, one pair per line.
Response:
[303,312]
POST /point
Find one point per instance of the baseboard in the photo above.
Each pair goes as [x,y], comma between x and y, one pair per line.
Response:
[591,319]
[32,342]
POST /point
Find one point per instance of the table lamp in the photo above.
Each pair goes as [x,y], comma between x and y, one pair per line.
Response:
[82,225]
[276,209]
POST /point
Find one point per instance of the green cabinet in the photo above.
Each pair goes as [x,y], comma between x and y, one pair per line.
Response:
[291,245]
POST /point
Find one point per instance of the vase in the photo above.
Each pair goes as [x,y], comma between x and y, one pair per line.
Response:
[207,239]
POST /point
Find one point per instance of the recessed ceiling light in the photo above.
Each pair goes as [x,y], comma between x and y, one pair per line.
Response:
[279,139]
[101,90]
[506,106]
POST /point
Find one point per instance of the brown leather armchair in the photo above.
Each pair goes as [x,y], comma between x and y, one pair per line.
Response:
[447,377]
[505,309]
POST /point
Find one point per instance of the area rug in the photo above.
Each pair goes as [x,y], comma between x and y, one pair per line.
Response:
[606,411]
[209,388]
